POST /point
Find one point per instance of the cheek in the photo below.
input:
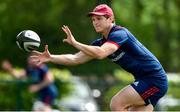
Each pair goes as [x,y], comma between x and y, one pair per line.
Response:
[108,23]
[93,23]
[104,24]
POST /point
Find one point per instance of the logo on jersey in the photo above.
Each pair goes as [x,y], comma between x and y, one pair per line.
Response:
[118,57]
[136,83]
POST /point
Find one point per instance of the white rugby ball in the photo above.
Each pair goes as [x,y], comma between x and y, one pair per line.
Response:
[28,40]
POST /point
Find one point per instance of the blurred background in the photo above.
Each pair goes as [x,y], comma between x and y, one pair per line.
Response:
[156,23]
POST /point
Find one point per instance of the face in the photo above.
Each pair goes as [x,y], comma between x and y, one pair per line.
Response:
[31,62]
[101,23]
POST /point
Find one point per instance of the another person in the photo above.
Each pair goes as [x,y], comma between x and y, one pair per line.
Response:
[42,83]
[121,47]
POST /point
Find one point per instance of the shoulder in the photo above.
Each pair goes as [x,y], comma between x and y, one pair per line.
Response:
[43,67]
[97,42]
[118,33]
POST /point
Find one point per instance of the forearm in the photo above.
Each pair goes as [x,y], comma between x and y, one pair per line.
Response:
[93,51]
[67,59]
[47,80]
[43,84]
[13,73]
[17,74]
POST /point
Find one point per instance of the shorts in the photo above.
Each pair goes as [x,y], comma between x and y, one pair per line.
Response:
[150,88]
[47,99]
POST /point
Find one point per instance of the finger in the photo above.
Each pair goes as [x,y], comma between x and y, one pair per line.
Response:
[64,27]
[39,63]
[64,40]
[68,30]
[64,30]
[35,59]
[46,48]
[36,52]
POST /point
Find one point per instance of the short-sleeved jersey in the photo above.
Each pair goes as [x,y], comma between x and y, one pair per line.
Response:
[37,75]
[131,54]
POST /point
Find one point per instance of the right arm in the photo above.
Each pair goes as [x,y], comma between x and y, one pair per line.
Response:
[6,65]
[64,59]
[70,59]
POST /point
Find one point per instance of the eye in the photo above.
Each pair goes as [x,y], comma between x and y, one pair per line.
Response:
[98,18]
[92,19]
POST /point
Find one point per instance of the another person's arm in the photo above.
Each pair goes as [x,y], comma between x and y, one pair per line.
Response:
[48,79]
[6,65]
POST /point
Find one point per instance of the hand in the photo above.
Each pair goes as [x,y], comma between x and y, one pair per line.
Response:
[33,88]
[39,57]
[6,65]
[70,38]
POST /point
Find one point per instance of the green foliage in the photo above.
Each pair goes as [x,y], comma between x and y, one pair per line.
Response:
[174,90]
[62,81]
[174,108]
[14,95]
[123,76]
[155,23]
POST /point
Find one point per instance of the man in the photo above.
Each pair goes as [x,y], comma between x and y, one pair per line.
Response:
[42,83]
[119,45]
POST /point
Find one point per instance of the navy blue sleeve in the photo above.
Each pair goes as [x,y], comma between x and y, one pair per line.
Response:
[43,70]
[97,42]
[27,71]
[118,37]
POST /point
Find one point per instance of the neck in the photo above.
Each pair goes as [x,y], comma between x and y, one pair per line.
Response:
[106,33]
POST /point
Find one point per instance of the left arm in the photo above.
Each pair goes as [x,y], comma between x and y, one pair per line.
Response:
[93,51]
[96,51]
[48,79]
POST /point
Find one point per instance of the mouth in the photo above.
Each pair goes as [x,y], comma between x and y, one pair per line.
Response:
[97,27]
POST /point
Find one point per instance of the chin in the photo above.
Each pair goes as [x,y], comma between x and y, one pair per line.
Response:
[98,31]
